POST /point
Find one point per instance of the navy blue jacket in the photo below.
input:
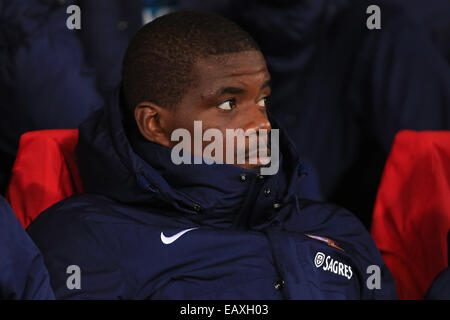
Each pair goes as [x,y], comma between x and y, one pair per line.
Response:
[253,238]
[440,288]
[23,274]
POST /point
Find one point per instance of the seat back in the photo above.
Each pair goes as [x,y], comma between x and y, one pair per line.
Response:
[411,217]
[44,172]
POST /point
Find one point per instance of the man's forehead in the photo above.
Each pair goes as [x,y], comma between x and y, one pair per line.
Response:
[246,63]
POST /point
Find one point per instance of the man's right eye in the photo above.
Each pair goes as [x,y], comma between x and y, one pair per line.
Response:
[227,105]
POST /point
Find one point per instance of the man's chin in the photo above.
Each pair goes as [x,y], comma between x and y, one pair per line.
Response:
[256,164]
[248,166]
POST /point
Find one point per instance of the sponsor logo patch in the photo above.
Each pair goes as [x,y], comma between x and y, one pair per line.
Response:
[327,263]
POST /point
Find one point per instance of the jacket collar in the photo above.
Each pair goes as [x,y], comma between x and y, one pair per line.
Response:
[130,169]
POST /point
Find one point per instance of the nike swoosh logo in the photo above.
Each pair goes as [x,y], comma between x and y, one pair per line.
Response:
[169,240]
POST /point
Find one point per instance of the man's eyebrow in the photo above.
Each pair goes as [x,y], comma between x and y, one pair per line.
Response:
[230,90]
[266,84]
[235,90]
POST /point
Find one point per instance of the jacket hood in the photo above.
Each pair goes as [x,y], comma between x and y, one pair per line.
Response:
[134,171]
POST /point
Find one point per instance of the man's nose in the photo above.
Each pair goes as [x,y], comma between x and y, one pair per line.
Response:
[256,118]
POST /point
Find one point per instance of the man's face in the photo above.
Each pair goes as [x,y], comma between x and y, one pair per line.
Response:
[230,91]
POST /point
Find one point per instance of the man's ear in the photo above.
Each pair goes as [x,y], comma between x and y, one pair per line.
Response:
[152,121]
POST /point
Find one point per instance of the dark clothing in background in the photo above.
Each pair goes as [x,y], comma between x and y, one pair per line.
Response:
[23,274]
[440,289]
[45,82]
[343,91]
[107,28]
[434,15]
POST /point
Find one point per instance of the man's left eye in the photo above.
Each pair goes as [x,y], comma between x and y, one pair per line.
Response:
[264,102]
[227,105]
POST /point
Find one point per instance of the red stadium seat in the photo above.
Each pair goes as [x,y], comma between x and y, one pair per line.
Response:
[411,217]
[44,172]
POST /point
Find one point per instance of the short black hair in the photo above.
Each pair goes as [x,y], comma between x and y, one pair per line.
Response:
[158,62]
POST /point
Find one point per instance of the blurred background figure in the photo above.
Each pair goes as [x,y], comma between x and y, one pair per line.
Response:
[434,15]
[52,77]
[341,90]
[107,28]
[45,81]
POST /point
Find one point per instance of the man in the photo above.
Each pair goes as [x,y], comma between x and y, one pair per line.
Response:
[23,274]
[148,228]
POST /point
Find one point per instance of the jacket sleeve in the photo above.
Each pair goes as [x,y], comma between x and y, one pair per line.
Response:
[440,288]
[80,266]
[23,274]
[376,279]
